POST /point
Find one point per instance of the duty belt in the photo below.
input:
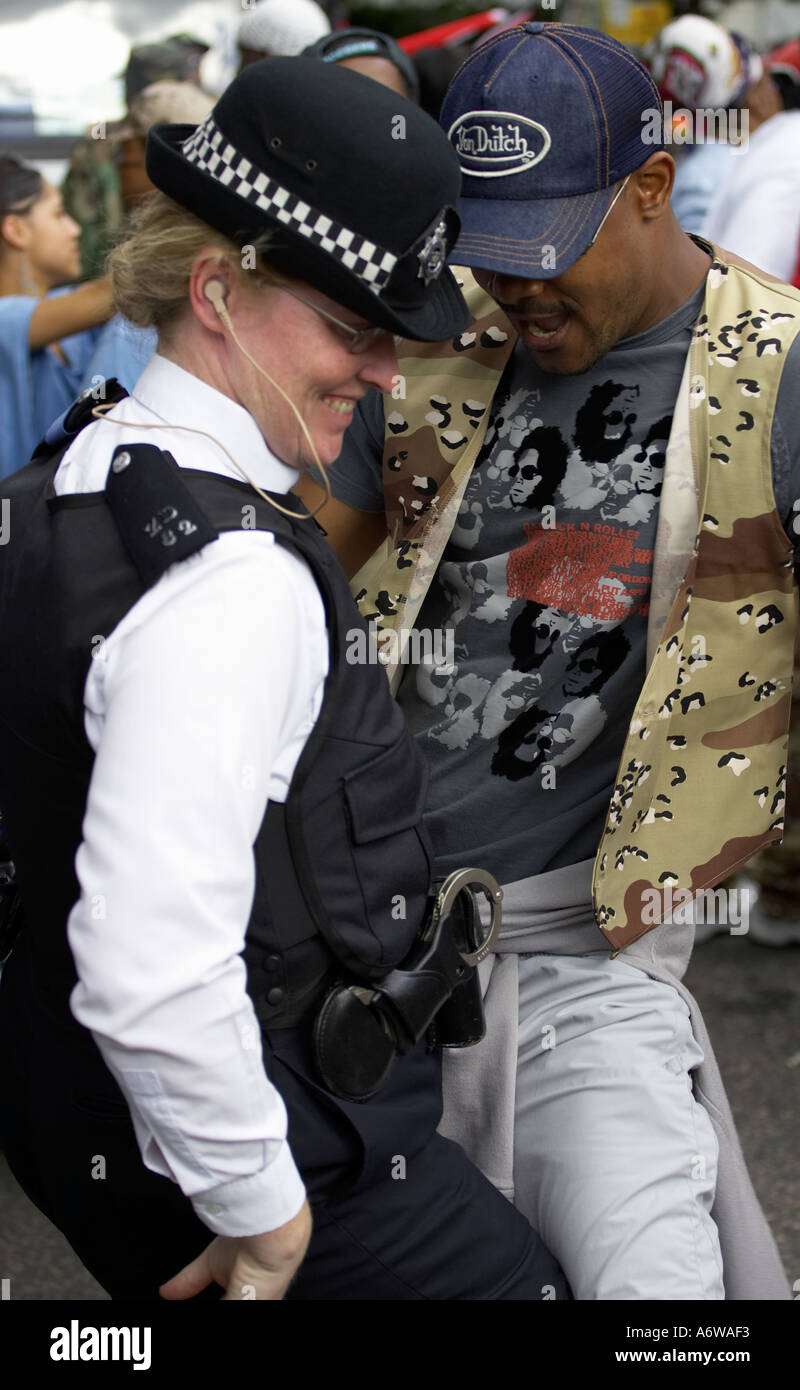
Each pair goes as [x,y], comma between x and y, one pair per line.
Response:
[361,1029]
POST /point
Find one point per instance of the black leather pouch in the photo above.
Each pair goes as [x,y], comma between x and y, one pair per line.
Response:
[353,1053]
[460,1022]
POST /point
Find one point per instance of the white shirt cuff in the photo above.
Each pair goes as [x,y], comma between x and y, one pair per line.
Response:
[261,1202]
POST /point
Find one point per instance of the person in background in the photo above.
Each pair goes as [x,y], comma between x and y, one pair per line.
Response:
[783,68]
[176,59]
[779,90]
[280,29]
[374,54]
[92,197]
[45,338]
[699,66]
[123,350]
[439,51]
[436,68]
[783,74]
[175,103]
[91,188]
[756,210]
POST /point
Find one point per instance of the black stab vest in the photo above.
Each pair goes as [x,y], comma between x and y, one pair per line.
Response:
[343,869]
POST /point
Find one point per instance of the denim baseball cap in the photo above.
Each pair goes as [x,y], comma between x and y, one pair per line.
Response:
[546,120]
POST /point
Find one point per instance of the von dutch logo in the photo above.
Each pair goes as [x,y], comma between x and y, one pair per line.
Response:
[496,144]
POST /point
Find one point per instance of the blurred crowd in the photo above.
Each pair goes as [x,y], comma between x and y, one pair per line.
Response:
[731,120]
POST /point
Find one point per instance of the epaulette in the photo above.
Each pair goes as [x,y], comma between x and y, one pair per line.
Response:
[158,519]
[78,415]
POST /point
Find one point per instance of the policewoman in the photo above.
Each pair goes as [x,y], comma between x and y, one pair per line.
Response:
[215,821]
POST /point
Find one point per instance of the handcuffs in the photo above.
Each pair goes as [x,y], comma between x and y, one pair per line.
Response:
[361,1029]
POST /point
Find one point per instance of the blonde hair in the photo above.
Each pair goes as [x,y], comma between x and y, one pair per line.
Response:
[151,267]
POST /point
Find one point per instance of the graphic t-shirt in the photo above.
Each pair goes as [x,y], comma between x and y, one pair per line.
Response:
[545,582]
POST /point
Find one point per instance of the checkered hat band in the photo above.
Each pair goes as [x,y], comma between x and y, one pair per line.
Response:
[210,151]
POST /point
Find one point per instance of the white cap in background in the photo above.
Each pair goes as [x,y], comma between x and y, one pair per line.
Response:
[282,28]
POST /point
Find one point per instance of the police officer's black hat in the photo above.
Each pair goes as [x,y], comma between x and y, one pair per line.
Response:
[357,186]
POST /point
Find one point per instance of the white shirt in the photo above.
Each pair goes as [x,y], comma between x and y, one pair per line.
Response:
[197,707]
[756,210]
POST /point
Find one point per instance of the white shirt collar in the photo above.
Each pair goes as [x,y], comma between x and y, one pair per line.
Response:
[181,399]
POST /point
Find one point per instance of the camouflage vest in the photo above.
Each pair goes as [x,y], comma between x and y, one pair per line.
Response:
[700,785]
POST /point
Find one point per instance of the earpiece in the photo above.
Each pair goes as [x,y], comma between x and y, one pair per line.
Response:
[215,293]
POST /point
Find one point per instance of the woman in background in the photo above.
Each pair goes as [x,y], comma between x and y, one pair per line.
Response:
[46,338]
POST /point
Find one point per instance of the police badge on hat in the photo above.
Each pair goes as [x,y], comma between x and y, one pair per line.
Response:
[433,255]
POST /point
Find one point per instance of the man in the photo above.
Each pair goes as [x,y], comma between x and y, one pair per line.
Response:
[192,775]
[372,53]
[176,59]
[91,186]
[595,1098]
[756,209]
[123,350]
[702,69]
[164,102]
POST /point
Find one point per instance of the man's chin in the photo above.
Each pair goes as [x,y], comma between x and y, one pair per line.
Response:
[554,364]
[571,359]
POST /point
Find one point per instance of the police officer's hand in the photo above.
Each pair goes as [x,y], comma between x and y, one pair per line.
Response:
[247,1267]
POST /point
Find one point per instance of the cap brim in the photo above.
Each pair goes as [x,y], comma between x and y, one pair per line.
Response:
[442,313]
[535,240]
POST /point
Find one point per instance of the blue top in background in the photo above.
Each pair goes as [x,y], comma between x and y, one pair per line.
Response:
[35,387]
[700,173]
[122,351]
